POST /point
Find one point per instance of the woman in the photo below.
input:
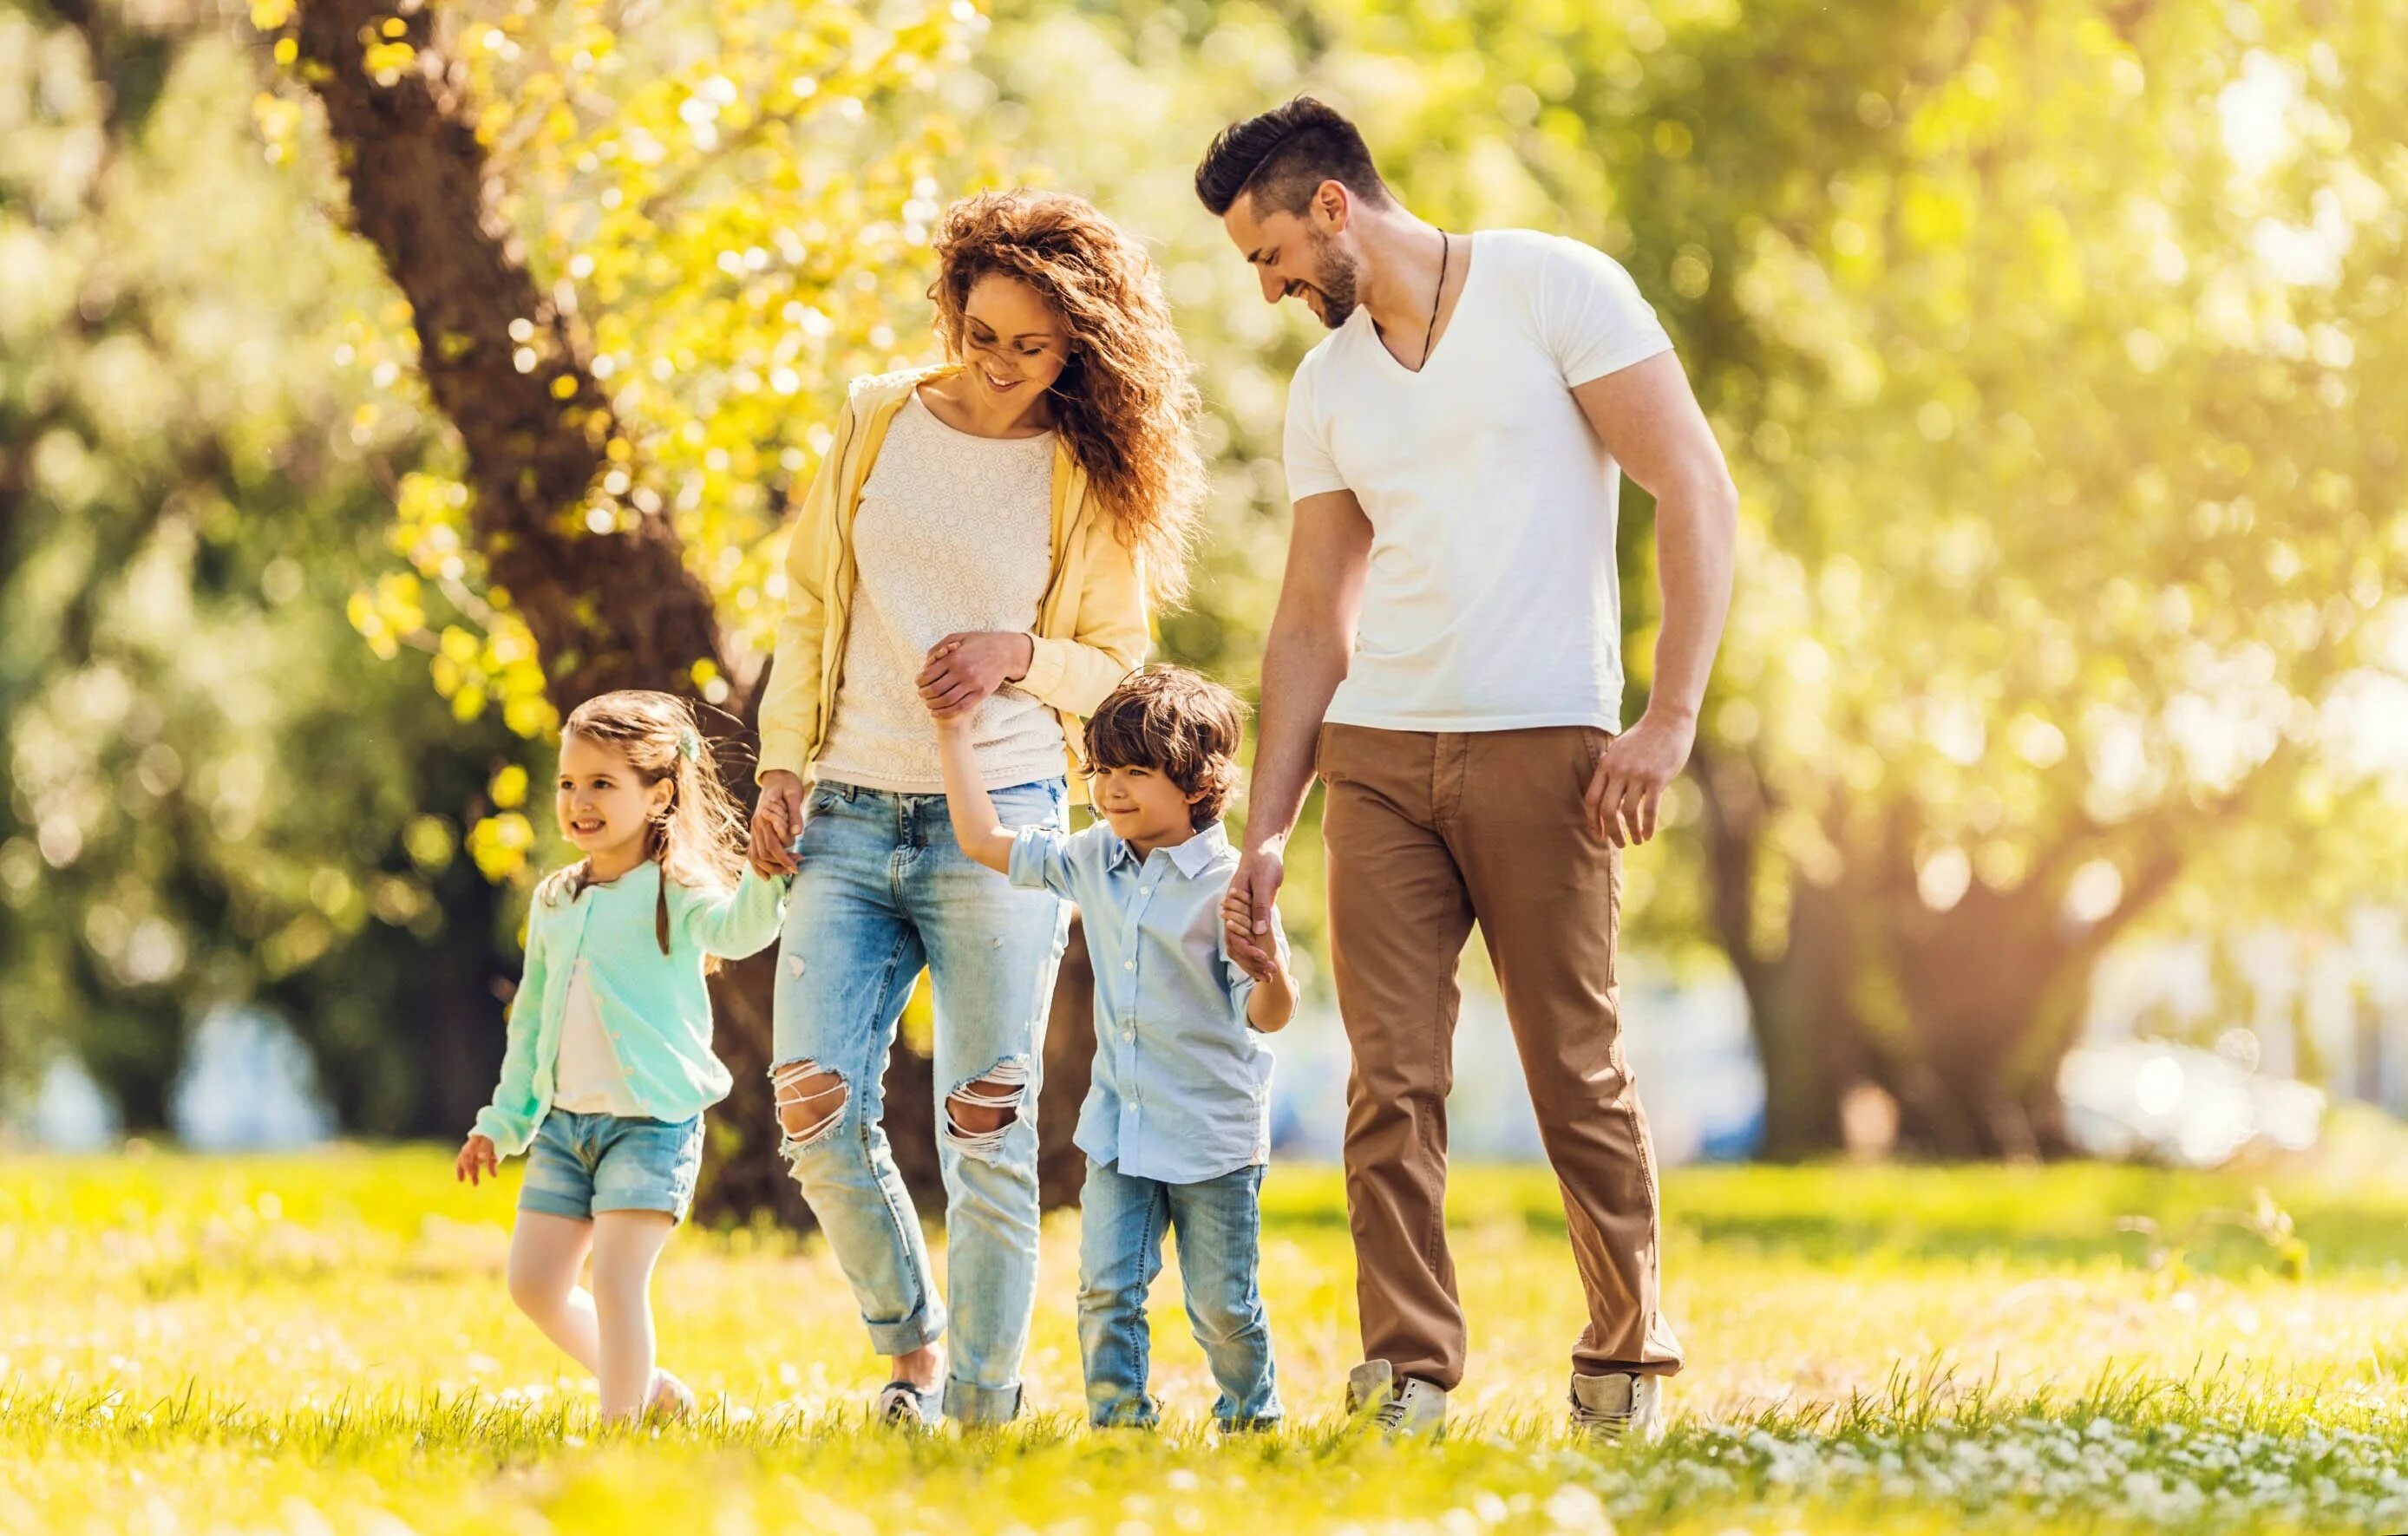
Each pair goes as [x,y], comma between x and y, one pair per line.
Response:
[982,538]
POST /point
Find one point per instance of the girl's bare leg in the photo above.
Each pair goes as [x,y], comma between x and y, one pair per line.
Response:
[546,1254]
[626,1245]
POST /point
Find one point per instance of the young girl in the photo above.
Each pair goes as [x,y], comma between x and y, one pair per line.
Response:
[609,1068]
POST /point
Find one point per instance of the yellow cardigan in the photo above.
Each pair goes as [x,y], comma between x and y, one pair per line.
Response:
[1091,624]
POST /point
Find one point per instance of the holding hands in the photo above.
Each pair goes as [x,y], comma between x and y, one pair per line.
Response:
[1254,890]
[1246,912]
[966,667]
[777,821]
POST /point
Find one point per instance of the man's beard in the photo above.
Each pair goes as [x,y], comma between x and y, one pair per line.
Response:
[1338,275]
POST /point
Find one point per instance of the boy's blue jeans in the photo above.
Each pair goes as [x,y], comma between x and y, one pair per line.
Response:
[1219,1225]
[884,890]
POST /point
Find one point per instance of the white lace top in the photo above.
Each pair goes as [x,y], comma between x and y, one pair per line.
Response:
[954,532]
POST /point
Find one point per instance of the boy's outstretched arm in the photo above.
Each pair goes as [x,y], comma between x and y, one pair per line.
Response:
[975,828]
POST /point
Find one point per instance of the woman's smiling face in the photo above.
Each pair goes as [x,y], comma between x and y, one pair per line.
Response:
[1012,342]
[603,803]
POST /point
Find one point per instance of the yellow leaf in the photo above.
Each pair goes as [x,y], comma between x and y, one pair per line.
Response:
[267,15]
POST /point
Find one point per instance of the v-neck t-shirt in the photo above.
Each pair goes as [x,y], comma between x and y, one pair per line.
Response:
[1491,601]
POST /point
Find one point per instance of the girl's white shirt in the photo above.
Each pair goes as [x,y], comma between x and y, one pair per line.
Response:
[586,1079]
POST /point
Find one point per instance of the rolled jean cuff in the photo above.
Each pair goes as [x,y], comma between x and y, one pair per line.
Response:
[923,1327]
[965,1403]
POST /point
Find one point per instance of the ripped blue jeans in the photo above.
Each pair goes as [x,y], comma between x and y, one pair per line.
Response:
[884,889]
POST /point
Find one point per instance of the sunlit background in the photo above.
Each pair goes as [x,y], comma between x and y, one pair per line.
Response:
[2052,791]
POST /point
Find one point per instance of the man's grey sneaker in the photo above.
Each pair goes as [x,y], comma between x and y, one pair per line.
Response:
[1409,1407]
[904,1406]
[1619,1405]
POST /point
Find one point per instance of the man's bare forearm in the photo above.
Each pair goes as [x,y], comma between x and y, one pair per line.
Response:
[1696,527]
[1301,671]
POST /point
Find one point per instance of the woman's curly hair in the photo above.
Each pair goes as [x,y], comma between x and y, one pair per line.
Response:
[1124,404]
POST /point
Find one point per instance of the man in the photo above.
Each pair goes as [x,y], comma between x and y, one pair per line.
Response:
[1446,656]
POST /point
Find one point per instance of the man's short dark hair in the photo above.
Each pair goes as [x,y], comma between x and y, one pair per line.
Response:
[1180,725]
[1283,156]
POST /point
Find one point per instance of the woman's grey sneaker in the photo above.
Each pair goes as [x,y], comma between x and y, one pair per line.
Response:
[1619,1405]
[904,1406]
[1409,1407]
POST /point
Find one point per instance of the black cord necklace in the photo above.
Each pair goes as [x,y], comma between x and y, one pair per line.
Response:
[1443,248]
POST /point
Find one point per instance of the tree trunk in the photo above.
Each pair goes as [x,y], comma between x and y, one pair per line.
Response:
[1961,1017]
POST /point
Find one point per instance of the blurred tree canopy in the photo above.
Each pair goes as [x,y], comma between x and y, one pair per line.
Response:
[2054,345]
[2057,348]
[213,793]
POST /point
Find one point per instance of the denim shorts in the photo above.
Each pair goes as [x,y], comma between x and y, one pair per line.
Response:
[583,1164]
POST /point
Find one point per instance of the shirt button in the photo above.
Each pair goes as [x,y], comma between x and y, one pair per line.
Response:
[1128,965]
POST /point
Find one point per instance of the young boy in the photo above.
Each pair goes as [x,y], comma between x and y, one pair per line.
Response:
[1177,1124]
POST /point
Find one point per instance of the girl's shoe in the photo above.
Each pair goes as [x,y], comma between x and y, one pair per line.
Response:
[671,1399]
[904,1406]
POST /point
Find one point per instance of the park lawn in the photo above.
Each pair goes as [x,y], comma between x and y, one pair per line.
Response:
[323,1341]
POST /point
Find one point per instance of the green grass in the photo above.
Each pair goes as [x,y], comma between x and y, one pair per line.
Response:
[298,1344]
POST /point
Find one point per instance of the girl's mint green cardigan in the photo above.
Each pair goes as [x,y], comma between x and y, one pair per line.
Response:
[654,1007]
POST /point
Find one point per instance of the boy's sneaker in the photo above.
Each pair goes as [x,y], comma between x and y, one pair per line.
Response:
[1411,1407]
[904,1406]
[1619,1405]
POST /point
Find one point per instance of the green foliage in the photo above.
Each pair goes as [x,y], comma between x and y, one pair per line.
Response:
[2052,346]
[214,793]
[736,199]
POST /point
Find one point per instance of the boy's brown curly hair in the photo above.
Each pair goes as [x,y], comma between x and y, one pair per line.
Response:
[1179,723]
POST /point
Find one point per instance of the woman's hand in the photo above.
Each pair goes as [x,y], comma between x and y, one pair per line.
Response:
[477,1157]
[966,667]
[776,820]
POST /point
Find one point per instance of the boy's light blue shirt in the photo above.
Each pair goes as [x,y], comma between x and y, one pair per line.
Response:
[1182,1086]
[654,1007]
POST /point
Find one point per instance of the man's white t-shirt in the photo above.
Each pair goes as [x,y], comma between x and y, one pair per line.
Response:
[1491,602]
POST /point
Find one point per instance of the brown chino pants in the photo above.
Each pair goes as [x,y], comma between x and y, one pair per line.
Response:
[1427,832]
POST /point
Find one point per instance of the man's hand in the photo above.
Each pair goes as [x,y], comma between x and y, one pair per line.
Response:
[775,821]
[1625,793]
[1254,889]
[965,669]
[476,1159]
